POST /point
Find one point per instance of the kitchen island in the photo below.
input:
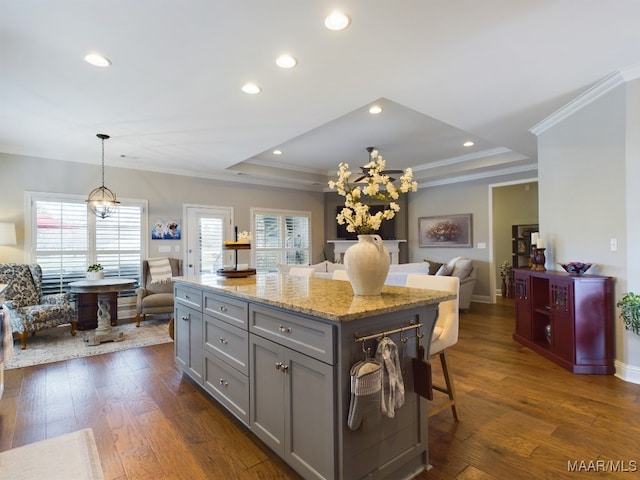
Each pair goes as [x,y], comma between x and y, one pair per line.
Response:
[276,351]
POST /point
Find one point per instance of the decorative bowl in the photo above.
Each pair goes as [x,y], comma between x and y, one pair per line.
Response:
[577,268]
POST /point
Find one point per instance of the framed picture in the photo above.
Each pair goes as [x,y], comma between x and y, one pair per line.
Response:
[163,229]
[445,231]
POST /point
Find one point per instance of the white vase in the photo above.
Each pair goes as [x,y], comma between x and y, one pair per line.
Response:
[95,275]
[367,264]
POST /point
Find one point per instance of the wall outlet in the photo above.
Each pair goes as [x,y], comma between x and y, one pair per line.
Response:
[614,244]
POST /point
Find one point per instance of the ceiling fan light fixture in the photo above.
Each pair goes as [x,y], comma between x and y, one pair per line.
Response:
[101,201]
[97,60]
[337,21]
[286,61]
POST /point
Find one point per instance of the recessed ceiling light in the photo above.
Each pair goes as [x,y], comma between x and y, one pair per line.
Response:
[286,61]
[277,152]
[376,109]
[337,21]
[251,88]
[97,60]
[468,144]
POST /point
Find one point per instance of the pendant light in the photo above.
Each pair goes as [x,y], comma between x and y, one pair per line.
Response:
[102,201]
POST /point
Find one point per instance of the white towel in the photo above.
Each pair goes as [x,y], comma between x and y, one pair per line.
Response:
[159,269]
[392,382]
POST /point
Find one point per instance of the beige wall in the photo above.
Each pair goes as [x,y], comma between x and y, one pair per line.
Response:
[512,205]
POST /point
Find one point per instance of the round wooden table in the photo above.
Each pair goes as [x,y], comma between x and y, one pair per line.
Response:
[103,287]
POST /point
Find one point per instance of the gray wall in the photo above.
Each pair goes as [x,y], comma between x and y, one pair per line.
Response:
[588,176]
[165,194]
[449,200]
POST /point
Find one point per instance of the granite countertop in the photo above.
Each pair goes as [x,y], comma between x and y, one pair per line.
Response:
[323,298]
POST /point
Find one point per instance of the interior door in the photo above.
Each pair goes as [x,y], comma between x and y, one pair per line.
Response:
[207,228]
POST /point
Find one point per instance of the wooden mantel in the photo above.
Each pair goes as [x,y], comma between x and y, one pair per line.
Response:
[340,246]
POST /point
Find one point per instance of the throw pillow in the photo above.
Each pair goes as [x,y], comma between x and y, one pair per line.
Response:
[434,266]
[462,268]
[444,271]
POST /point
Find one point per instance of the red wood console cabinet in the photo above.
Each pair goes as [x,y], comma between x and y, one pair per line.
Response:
[566,318]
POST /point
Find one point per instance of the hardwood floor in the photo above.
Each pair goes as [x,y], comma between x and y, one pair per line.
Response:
[521,416]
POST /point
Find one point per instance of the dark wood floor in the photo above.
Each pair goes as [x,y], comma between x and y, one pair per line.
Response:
[521,416]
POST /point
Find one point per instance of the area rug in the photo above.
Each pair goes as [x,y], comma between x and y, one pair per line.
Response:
[67,457]
[57,344]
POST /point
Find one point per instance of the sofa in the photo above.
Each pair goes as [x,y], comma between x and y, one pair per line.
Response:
[460,267]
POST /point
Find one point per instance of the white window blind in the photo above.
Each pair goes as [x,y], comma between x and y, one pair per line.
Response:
[66,237]
[281,237]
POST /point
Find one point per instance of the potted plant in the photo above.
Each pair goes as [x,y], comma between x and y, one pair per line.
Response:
[630,311]
[506,271]
[95,272]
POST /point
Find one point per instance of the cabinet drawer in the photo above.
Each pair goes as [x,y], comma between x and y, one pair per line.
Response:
[313,338]
[226,309]
[191,297]
[227,342]
[228,386]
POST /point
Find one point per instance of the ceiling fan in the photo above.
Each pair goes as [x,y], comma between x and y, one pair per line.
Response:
[373,155]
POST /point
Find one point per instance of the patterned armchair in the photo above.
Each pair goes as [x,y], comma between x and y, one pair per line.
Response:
[27,308]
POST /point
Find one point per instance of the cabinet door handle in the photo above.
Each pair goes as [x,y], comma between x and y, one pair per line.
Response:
[223,382]
[284,329]
[279,366]
[223,308]
[185,318]
[285,368]
[187,296]
[223,341]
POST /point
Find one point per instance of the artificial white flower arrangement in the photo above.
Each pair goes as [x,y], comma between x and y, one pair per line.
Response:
[379,187]
[244,237]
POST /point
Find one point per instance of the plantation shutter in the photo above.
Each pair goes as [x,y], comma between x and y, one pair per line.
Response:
[281,237]
[66,238]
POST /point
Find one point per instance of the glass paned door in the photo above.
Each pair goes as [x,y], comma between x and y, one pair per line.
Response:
[207,228]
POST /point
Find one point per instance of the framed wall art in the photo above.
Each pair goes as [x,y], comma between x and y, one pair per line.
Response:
[445,231]
[166,230]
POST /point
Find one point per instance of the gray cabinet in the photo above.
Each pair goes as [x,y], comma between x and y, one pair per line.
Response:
[188,340]
[226,353]
[292,407]
[286,374]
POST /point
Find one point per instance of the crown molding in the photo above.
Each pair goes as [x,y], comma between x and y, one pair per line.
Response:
[478,176]
[462,158]
[600,89]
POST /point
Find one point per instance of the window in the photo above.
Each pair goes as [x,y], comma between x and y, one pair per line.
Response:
[65,237]
[281,237]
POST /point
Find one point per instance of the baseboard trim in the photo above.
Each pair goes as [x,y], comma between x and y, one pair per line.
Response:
[628,373]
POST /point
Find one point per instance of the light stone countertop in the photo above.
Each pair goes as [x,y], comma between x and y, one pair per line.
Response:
[323,298]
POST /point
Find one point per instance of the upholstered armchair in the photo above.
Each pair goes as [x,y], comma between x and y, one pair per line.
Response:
[155,297]
[27,308]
